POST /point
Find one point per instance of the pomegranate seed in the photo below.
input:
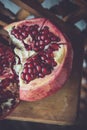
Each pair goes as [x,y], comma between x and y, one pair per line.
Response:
[41,47]
[30,65]
[47,41]
[28,47]
[41,43]
[14,31]
[27,29]
[53,38]
[35,48]
[35,63]
[24,35]
[36,57]
[34,32]
[49,54]
[36,44]
[54,46]
[48,61]
[24,27]
[38,67]
[23,76]
[25,70]
[42,37]
[28,77]
[31,27]
[43,57]
[34,71]
[50,34]
[26,64]
[44,71]
[36,26]
[40,75]
[32,76]
[54,63]
[30,70]
[38,37]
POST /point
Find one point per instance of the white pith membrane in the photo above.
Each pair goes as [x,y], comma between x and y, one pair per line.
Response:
[59,56]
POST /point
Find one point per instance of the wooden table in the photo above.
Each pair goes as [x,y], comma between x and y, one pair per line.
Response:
[63,107]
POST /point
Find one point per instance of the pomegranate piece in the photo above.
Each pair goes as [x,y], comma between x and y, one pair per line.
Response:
[9,96]
[45,56]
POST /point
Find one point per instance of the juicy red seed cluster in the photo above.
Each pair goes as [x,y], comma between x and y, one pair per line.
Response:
[38,66]
[44,43]
[43,38]
[22,32]
[40,37]
[6,91]
[6,57]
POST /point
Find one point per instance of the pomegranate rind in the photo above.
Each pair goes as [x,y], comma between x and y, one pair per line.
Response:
[34,91]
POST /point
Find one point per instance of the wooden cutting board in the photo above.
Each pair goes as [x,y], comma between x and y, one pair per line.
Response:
[63,106]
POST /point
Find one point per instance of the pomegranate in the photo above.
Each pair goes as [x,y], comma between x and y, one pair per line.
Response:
[45,56]
[9,93]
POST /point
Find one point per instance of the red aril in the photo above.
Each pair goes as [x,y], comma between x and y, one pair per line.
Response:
[45,56]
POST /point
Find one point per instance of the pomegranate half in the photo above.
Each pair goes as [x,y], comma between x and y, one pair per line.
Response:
[45,57]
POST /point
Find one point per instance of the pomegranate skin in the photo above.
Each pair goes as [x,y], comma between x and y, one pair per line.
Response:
[34,91]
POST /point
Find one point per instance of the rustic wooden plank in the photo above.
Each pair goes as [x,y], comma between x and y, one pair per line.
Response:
[22,14]
[80,3]
[75,16]
[2,23]
[26,7]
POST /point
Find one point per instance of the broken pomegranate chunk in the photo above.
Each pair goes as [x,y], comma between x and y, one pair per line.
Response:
[8,87]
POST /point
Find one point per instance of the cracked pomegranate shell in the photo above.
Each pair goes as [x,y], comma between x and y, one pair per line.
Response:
[45,57]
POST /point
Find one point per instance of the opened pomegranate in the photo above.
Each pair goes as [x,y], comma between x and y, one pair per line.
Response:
[45,57]
[9,93]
